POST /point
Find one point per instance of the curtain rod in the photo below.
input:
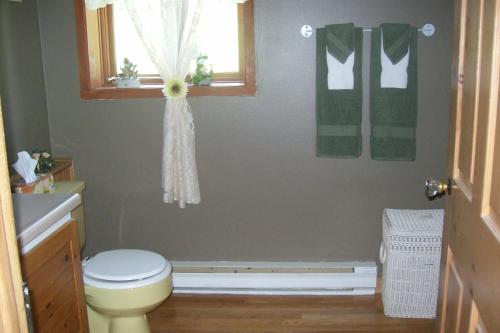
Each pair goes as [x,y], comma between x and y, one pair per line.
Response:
[427,30]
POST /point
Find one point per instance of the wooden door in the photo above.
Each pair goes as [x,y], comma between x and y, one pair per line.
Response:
[470,273]
[12,315]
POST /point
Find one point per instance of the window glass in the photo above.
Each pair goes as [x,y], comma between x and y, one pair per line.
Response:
[219,40]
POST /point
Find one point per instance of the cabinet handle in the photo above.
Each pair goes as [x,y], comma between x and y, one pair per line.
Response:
[27,308]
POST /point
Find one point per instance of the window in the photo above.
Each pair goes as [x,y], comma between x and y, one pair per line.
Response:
[106,36]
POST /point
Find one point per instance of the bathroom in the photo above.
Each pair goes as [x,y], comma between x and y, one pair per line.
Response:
[265,196]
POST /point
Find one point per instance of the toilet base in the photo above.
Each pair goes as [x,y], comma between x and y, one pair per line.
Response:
[137,324]
[101,324]
[124,310]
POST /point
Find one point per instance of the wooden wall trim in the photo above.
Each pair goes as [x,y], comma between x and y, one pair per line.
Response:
[249,41]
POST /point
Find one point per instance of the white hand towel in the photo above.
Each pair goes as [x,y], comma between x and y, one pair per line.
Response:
[393,75]
[340,75]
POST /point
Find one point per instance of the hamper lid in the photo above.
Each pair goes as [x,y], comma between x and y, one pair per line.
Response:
[408,220]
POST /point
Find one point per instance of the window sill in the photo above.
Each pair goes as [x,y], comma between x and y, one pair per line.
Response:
[155,91]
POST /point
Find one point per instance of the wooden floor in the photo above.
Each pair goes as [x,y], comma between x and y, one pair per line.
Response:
[223,314]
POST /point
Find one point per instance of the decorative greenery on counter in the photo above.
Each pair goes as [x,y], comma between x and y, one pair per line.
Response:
[45,161]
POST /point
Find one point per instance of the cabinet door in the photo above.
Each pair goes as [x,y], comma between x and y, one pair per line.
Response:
[53,273]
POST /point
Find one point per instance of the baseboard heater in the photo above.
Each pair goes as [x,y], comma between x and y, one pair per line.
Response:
[275,278]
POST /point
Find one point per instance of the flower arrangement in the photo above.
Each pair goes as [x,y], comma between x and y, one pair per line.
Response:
[45,161]
[175,88]
[201,75]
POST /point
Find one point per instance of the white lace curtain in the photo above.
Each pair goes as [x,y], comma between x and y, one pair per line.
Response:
[171,51]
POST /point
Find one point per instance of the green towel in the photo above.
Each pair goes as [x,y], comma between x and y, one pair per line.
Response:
[393,111]
[340,40]
[338,112]
[396,40]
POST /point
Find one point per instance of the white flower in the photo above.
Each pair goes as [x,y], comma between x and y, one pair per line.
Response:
[36,156]
[45,155]
[175,88]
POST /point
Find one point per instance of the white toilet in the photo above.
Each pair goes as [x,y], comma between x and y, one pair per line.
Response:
[121,286]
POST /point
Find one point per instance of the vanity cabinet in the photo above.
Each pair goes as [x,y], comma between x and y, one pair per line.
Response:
[53,273]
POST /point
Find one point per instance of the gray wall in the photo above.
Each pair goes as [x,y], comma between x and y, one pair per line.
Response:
[265,196]
[21,79]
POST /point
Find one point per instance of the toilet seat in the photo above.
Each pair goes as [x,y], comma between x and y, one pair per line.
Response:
[123,269]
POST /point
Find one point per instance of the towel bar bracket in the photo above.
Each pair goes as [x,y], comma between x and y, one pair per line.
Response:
[306,31]
[428,29]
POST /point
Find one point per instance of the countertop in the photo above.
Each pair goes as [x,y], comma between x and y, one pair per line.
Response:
[37,216]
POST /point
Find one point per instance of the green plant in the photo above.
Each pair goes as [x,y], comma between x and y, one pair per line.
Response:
[129,70]
[201,75]
[45,161]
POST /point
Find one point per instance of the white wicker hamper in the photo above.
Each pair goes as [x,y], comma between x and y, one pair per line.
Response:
[410,254]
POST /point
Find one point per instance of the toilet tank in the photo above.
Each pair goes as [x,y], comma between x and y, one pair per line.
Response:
[70,187]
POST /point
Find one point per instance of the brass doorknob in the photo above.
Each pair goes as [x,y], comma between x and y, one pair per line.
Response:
[435,187]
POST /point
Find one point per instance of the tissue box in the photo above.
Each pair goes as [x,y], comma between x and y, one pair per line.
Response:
[44,184]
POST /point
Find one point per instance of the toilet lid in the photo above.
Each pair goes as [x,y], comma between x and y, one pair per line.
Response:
[125,265]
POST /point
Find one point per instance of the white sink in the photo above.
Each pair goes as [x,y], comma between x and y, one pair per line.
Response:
[37,216]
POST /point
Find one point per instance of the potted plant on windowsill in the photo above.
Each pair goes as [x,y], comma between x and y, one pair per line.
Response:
[201,76]
[128,78]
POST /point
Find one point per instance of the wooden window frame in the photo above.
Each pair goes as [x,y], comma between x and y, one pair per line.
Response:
[97,61]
